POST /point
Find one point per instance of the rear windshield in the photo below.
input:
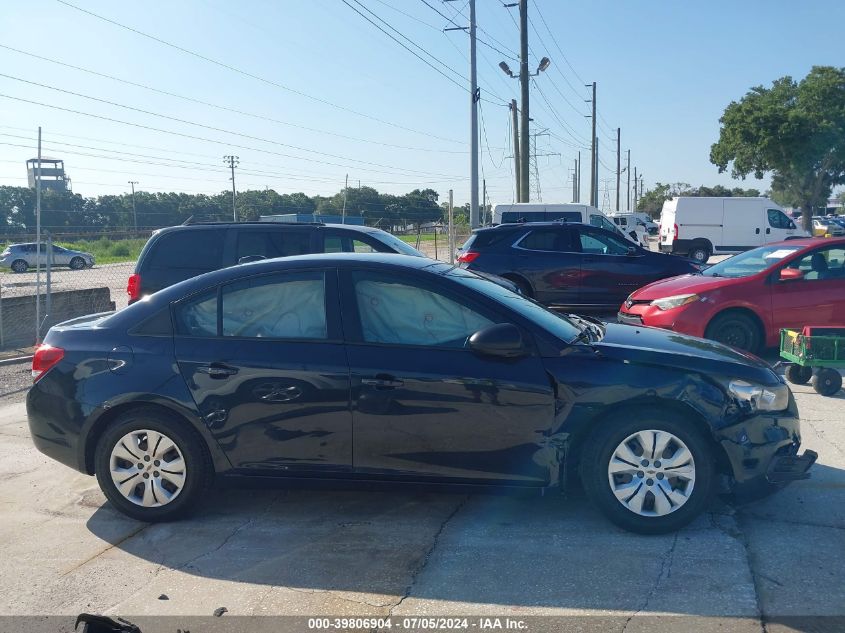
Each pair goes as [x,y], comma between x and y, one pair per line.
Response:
[401,247]
[189,249]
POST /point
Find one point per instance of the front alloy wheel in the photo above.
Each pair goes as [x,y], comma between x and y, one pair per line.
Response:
[649,470]
[652,473]
[147,468]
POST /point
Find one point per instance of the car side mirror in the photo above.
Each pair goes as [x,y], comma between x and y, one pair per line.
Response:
[503,340]
[791,274]
[251,258]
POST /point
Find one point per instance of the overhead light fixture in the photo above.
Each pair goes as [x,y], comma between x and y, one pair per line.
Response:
[506,69]
[544,64]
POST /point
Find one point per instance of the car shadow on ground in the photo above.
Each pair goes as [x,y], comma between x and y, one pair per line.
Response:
[537,552]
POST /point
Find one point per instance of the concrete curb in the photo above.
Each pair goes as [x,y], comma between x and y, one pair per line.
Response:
[15,361]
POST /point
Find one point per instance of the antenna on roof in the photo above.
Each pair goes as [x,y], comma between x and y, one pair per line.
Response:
[187,222]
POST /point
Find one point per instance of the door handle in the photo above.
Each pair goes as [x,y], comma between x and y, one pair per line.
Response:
[217,370]
[768,231]
[757,231]
[382,382]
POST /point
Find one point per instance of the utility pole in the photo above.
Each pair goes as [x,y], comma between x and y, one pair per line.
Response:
[233,161]
[593,152]
[516,153]
[618,164]
[132,183]
[628,172]
[574,181]
[641,184]
[484,202]
[38,244]
[475,95]
[595,193]
[345,191]
[523,81]
[635,188]
[578,179]
[451,228]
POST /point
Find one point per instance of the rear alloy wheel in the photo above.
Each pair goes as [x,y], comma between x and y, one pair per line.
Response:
[77,263]
[736,330]
[651,475]
[150,466]
[828,382]
[700,253]
[19,266]
[798,374]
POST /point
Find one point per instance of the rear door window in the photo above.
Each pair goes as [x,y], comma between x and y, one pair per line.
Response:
[272,243]
[339,242]
[550,240]
[188,250]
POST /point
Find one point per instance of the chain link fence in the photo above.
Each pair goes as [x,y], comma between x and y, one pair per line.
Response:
[61,284]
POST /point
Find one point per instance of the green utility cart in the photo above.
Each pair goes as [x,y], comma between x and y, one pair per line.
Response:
[819,347]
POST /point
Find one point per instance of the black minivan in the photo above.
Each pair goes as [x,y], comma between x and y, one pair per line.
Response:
[176,253]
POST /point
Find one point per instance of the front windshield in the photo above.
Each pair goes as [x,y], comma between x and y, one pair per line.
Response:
[751,262]
[398,245]
[559,325]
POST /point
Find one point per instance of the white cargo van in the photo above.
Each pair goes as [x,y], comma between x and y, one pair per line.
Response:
[701,227]
[565,212]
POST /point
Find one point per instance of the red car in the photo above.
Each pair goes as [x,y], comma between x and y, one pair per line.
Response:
[746,299]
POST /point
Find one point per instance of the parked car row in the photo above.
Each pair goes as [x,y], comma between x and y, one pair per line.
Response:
[385,366]
[395,369]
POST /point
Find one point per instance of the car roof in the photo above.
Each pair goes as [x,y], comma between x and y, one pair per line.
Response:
[252,224]
[522,225]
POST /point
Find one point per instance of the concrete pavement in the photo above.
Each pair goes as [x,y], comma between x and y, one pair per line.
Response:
[64,550]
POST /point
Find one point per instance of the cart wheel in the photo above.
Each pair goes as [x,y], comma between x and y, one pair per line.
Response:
[798,374]
[828,381]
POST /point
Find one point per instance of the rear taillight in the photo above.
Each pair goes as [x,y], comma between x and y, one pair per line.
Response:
[468,257]
[675,237]
[133,288]
[45,357]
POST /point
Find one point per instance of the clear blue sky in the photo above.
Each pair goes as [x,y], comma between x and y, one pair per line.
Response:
[665,72]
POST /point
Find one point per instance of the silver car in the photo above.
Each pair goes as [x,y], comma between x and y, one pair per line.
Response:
[22,257]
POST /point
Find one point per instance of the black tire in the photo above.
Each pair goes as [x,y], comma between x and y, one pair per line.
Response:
[798,374]
[19,266]
[524,286]
[600,448]
[197,463]
[700,252]
[828,382]
[736,330]
[77,263]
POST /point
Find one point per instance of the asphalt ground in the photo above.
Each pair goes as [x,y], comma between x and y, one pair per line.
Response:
[774,565]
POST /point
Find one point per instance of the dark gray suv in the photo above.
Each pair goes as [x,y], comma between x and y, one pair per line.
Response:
[177,253]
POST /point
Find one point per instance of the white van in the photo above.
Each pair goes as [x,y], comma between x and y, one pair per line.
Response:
[701,227]
[638,217]
[566,212]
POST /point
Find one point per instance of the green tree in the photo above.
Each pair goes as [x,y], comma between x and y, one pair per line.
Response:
[793,130]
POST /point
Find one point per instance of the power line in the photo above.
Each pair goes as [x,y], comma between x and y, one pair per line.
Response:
[186,122]
[215,141]
[225,108]
[451,21]
[254,76]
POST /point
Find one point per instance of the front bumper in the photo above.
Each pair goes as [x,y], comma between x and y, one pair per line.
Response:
[763,453]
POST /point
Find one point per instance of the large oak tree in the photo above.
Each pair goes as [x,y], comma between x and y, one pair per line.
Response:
[794,131]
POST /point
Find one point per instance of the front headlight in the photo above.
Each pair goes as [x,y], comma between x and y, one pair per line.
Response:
[760,398]
[667,303]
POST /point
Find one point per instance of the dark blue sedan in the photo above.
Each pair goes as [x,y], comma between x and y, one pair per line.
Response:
[401,369]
